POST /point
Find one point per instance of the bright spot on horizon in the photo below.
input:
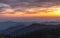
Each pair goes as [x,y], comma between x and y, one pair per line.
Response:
[53,11]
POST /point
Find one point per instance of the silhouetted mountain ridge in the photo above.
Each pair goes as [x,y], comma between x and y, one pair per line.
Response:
[8,24]
[27,29]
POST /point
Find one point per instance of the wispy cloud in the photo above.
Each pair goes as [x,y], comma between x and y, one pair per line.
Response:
[27,6]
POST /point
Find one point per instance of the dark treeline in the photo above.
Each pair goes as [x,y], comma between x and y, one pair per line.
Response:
[44,33]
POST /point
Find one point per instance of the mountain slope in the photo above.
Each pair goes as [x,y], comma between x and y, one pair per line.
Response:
[33,27]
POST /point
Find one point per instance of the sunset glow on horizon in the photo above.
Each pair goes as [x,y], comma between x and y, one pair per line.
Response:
[29,9]
[35,12]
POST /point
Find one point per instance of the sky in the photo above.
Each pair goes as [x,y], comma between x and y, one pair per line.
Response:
[29,10]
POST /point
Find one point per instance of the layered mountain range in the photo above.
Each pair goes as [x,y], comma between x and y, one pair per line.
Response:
[20,28]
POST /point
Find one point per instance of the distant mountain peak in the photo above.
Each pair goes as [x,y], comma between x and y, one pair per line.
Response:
[9,22]
[51,22]
[35,24]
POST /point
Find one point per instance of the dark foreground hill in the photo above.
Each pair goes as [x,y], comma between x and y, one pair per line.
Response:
[35,30]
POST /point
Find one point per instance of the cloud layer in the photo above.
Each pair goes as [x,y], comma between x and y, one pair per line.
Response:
[17,9]
[27,6]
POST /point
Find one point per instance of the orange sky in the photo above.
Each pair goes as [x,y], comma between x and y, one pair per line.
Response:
[49,12]
[35,12]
